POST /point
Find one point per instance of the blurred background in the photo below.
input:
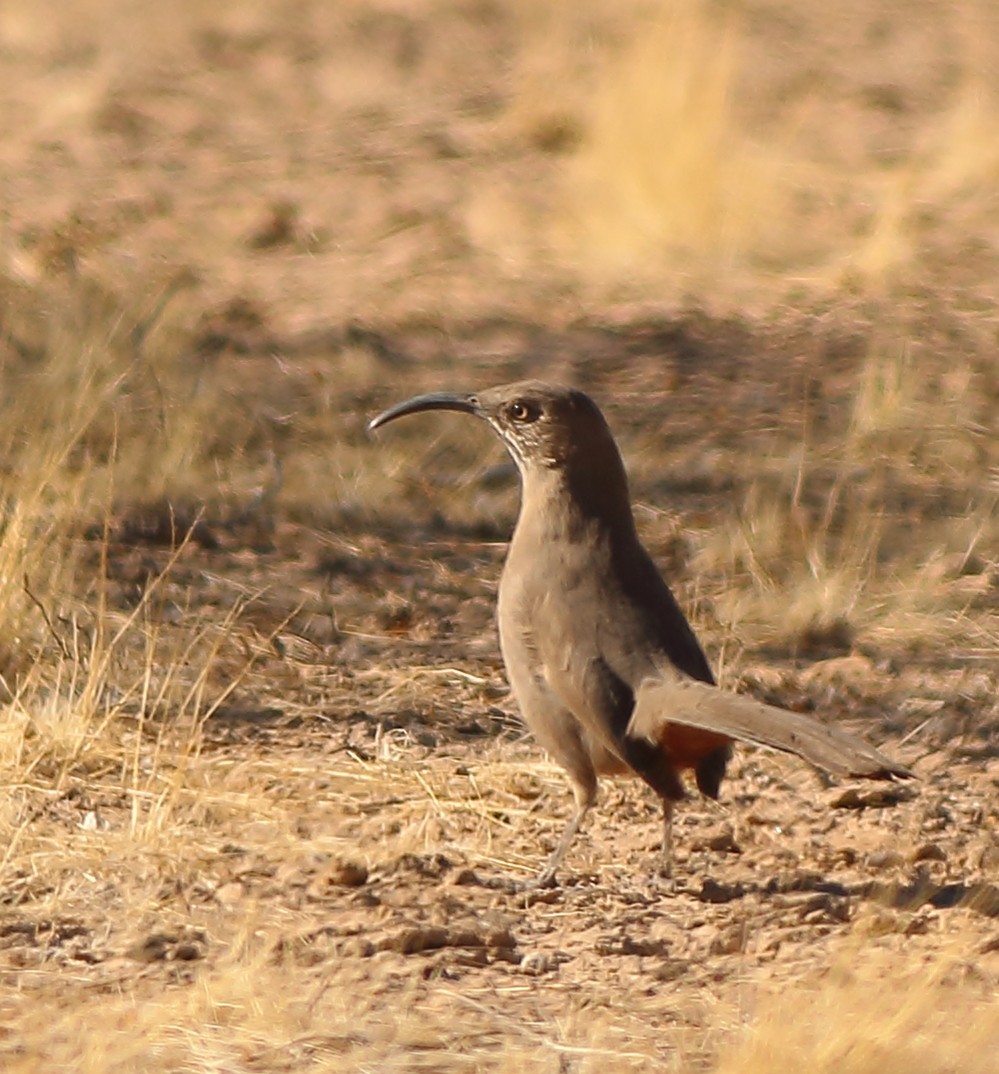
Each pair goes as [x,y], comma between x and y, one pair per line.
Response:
[362,159]
[766,235]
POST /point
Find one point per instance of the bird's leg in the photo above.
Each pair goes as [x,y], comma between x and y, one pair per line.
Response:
[547,875]
[585,795]
[666,850]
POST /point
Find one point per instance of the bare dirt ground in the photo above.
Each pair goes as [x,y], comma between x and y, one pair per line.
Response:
[263,781]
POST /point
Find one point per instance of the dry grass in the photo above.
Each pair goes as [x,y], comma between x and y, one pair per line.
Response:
[176,892]
[663,173]
[868,1017]
[822,537]
[689,155]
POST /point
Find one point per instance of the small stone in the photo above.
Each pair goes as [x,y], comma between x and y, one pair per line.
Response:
[672,969]
[348,874]
[929,852]
[988,858]
[720,840]
[879,923]
[822,908]
[724,842]
[729,941]
[413,941]
[714,892]
[884,859]
[627,945]
[356,947]
[230,894]
[537,963]
[873,797]
[500,938]
[153,948]
[990,946]
[853,670]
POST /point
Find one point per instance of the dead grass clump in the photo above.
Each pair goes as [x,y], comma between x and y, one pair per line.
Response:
[943,183]
[49,403]
[821,545]
[788,579]
[126,704]
[663,173]
[877,1017]
[252,1012]
[689,156]
[85,682]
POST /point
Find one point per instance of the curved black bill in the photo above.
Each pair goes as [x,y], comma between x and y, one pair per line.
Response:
[468,404]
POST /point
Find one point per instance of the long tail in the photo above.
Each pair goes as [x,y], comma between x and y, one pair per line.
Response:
[695,704]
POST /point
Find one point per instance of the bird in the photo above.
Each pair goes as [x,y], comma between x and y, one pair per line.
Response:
[607,671]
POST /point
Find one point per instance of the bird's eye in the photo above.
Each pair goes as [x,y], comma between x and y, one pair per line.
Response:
[521,411]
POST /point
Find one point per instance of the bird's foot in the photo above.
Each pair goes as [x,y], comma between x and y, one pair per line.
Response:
[663,879]
[664,883]
[528,892]
[544,881]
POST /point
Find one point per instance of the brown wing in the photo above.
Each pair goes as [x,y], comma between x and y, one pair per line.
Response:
[660,702]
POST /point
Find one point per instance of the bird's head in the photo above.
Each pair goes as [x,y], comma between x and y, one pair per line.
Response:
[543,426]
